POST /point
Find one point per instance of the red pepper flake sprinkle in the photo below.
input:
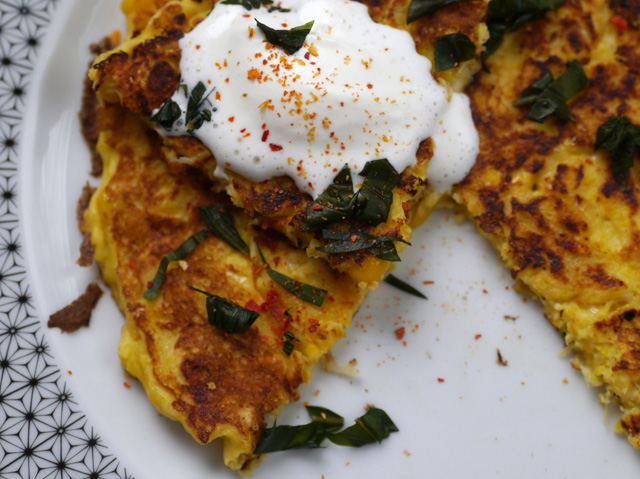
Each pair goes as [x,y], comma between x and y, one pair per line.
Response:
[276,261]
[149,284]
[265,135]
[231,118]
[440,380]
[197,47]
[619,22]
[252,305]
[317,207]
[399,333]
[478,336]
[275,147]
[405,207]
[307,55]
[369,86]
[126,385]
[354,238]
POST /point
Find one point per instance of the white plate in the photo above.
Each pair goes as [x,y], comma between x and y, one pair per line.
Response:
[65,412]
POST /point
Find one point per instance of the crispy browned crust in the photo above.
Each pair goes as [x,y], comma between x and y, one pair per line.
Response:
[216,384]
[77,314]
[566,227]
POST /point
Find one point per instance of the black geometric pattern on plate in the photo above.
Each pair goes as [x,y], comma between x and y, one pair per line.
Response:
[43,434]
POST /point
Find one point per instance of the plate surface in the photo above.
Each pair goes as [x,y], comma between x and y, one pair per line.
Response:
[65,411]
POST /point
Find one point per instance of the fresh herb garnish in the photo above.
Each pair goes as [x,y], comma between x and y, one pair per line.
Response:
[220,223]
[453,49]
[176,255]
[251,4]
[288,345]
[509,15]
[196,115]
[289,40]
[374,426]
[346,242]
[620,138]
[305,292]
[549,97]
[420,8]
[371,203]
[401,285]
[167,115]
[376,193]
[226,315]
[335,203]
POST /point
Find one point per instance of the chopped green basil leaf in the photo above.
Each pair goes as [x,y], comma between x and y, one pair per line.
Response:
[220,223]
[374,426]
[345,242]
[226,315]
[195,115]
[176,255]
[407,288]
[289,40]
[288,345]
[376,193]
[305,292]
[549,97]
[335,203]
[453,49]
[620,138]
[420,8]
[167,115]
[509,15]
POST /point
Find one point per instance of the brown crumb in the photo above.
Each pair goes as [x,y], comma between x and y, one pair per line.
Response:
[78,313]
[501,360]
[406,453]
[512,318]
[86,248]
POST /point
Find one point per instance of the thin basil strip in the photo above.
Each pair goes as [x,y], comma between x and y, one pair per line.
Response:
[509,15]
[620,138]
[346,242]
[376,193]
[401,285]
[335,203]
[167,114]
[220,223]
[305,292]
[374,426]
[226,315]
[420,8]
[549,97]
[289,40]
[195,115]
[453,49]
[176,255]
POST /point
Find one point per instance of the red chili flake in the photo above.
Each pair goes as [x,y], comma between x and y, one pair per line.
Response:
[313,328]
[149,284]
[265,135]
[478,336]
[275,147]
[169,325]
[619,22]
[354,238]
[331,135]
[307,56]
[189,205]
[252,305]
[197,47]
[276,312]
[231,118]
[405,206]
[369,86]
[399,333]
[276,261]
[243,130]
[317,207]
[330,298]
[69,372]
[440,380]
[126,385]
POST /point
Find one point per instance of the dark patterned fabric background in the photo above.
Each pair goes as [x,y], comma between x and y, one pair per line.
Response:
[43,434]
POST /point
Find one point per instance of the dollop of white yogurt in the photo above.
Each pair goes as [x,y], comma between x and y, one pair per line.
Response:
[356,91]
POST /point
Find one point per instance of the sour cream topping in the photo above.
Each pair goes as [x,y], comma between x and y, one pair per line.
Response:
[356,91]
